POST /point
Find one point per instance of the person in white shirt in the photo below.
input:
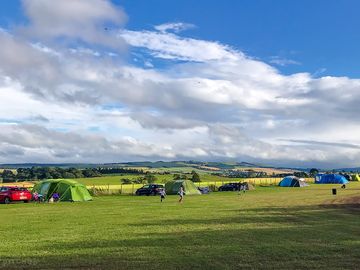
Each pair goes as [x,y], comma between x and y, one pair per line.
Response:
[162,195]
[181,194]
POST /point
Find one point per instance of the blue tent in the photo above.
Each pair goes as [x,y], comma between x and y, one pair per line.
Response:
[292,181]
[330,179]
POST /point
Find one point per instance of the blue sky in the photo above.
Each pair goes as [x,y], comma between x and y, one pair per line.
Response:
[322,35]
[319,34]
[274,82]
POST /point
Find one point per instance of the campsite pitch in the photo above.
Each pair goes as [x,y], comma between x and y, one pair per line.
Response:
[270,227]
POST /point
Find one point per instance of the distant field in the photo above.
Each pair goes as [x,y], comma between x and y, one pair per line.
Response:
[13,170]
[269,171]
[271,228]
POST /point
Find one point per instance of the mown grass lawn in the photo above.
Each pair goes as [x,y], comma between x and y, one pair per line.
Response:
[272,228]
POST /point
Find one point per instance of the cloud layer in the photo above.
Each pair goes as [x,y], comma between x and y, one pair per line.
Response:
[69,92]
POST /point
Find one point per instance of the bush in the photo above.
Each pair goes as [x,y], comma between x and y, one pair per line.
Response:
[125,181]
[213,188]
[195,177]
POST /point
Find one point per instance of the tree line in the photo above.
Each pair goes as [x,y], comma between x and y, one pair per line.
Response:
[41,173]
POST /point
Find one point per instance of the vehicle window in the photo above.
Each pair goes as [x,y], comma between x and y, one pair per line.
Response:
[146,186]
[2,189]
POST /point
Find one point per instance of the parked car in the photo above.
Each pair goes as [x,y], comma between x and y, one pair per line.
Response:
[204,190]
[11,194]
[230,187]
[151,189]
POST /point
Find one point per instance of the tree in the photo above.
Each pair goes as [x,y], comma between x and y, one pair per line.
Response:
[314,171]
[179,176]
[8,176]
[195,177]
[301,174]
[23,174]
[125,181]
[150,178]
[68,175]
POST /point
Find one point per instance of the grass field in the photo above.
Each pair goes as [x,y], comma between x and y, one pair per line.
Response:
[283,228]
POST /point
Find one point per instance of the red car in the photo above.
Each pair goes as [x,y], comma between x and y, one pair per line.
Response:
[11,194]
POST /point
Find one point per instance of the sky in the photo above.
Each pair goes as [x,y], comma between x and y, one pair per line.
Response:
[97,81]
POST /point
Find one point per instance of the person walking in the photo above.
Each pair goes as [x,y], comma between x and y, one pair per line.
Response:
[162,194]
[181,194]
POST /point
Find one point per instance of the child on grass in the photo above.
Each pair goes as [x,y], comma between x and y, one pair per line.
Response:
[162,195]
[181,194]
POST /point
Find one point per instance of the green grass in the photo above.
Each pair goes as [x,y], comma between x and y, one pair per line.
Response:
[273,228]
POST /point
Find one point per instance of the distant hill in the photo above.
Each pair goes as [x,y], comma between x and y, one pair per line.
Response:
[148,164]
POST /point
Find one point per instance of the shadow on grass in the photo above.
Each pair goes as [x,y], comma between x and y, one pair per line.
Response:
[316,237]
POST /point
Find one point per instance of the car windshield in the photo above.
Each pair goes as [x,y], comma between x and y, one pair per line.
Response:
[146,186]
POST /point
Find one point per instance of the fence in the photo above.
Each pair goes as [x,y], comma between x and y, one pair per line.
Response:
[18,184]
[130,189]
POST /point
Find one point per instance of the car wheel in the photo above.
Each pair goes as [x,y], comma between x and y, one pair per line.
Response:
[26,201]
[7,200]
[154,193]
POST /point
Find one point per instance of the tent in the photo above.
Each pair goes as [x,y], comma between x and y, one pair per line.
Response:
[355,177]
[69,190]
[173,187]
[292,181]
[247,186]
[330,179]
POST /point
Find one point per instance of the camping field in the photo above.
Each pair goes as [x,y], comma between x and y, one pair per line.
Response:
[270,227]
[116,179]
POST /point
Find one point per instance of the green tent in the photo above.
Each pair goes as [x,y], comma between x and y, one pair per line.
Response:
[173,187]
[69,190]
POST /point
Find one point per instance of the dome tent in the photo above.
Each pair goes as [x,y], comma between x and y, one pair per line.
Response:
[292,181]
[330,179]
[355,177]
[173,187]
[69,190]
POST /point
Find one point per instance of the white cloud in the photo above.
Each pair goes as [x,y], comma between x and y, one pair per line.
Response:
[85,20]
[167,46]
[174,26]
[77,102]
[280,61]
